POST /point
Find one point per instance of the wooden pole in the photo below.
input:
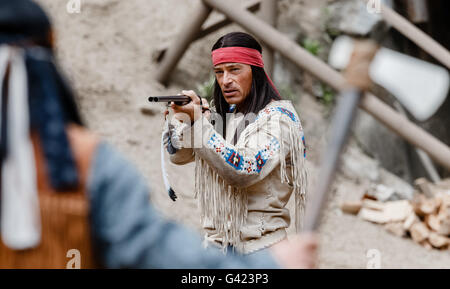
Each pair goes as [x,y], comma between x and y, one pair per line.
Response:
[252,6]
[423,157]
[268,13]
[437,150]
[417,10]
[184,39]
[416,35]
[415,135]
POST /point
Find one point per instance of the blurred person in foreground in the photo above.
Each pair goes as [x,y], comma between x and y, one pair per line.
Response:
[63,188]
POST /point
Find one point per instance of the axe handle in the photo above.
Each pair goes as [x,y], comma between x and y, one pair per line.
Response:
[342,121]
[358,80]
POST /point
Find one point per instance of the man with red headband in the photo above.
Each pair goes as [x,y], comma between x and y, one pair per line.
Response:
[251,160]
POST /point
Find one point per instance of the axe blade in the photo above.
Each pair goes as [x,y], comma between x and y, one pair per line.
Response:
[421,87]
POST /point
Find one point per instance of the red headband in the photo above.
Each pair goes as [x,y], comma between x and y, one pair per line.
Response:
[243,55]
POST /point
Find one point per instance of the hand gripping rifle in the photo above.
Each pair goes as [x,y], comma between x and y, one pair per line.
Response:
[178,100]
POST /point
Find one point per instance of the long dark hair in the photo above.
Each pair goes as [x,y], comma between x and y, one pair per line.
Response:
[261,92]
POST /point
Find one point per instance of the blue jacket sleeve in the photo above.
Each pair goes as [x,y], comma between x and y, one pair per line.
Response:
[129,233]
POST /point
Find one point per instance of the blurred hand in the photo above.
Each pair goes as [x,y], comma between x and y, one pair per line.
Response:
[193,109]
[299,252]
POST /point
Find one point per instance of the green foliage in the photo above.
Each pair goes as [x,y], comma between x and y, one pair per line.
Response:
[323,91]
[328,28]
[312,46]
[328,95]
[332,32]
[206,89]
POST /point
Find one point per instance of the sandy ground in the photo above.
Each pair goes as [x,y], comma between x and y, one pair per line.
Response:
[106,51]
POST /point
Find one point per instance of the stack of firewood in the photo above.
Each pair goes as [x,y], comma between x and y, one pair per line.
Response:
[425,218]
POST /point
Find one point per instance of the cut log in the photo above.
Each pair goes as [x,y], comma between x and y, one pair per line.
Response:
[410,220]
[444,218]
[381,193]
[429,206]
[373,205]
[444,229]
[426,244]
[398,211]
[382,213]
[396,228]
[419,232]
[351,207]
[444,200]
[424,186]
[373,216]
[438,241]
[444,208]
[433,222]
[416,202]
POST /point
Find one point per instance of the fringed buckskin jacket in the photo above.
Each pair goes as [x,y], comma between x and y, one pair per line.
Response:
[243,189]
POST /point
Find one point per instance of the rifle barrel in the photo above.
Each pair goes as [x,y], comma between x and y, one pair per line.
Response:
[170,98]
